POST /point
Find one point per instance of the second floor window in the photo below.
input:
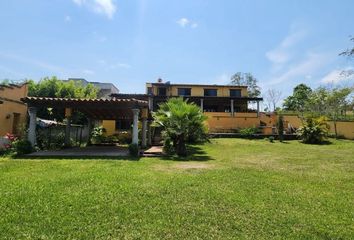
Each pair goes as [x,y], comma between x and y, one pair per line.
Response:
[184,92]
[162,91]
[210,92]
[149,90]
[235,93]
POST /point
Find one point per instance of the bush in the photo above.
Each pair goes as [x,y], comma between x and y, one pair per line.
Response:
[314,131]
[248,132]
[124,137]
[271,139]
[97,136]
[133,149]
[22,147]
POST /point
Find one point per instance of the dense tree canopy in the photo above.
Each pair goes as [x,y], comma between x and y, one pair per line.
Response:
[299,99]
[53,87]
[247,79]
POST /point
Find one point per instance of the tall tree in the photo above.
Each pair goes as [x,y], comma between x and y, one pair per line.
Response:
[272,97]
[247,79]
[298,101]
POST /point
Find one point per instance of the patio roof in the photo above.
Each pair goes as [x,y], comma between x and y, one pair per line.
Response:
[113,108]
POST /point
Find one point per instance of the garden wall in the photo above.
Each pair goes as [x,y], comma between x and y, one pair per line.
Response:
[344,128]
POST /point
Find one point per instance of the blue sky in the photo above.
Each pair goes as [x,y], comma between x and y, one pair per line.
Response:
[128,43]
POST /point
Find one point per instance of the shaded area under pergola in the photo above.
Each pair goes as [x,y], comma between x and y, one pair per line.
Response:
[94,109]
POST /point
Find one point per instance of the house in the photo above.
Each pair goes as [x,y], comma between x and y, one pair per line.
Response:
[13,111]
[226,106]
[104,89]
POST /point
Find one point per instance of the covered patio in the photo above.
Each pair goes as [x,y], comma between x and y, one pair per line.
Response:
[93,109]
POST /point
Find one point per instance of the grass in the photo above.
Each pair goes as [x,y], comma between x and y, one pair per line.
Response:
[230,188]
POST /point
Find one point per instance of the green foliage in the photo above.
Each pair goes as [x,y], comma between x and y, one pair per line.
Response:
[299,100]
[124,137]
[97,135]
[248,132]
[314,130]
[181,122]
[247,79]
[271,139]
[22,147]
[280,126]
[133,149]
[53,87]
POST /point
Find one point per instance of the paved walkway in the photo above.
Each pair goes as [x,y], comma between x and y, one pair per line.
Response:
[90,151]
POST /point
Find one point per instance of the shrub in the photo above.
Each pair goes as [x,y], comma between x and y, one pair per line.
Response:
[248,132]
[314,131]
[22,147]
[133,149]
[97,136]
[181,123]
[271,139]
[124,137]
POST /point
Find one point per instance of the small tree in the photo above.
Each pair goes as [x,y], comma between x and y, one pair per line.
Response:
[314,130]
[280,126]
[272,97]
[180,121]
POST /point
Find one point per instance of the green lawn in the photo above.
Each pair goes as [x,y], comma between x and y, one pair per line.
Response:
[233,188]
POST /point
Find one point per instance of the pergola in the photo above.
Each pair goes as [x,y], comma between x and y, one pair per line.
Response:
[94,109]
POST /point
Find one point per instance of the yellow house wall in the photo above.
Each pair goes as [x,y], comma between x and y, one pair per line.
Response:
[110,126]
[223,122]
[345,129]
[198,91]
[8,108]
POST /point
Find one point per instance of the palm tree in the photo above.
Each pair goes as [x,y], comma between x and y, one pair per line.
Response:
[181,122]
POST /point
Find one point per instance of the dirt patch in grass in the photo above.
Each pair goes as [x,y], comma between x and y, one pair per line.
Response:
[184,167]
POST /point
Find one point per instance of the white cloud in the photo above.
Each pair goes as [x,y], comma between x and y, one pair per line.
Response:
[302,69]
[281,54]
[336,76]
[185,22]
[105,7]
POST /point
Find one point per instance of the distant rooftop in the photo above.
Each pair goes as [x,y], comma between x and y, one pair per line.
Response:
[105,89]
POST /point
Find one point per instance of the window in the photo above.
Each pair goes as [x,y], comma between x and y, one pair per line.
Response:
[184,92]
[235,93]
[123,124]
[162,91]
[210,92]
[149,90]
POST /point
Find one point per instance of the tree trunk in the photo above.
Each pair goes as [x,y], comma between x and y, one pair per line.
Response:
[335,128]
[181,149]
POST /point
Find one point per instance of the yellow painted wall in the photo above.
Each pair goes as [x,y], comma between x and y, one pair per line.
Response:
[110,126]
[224,122]
[344,128]
[8,108]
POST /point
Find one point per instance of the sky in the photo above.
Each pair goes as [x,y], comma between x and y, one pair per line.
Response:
[131,42]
